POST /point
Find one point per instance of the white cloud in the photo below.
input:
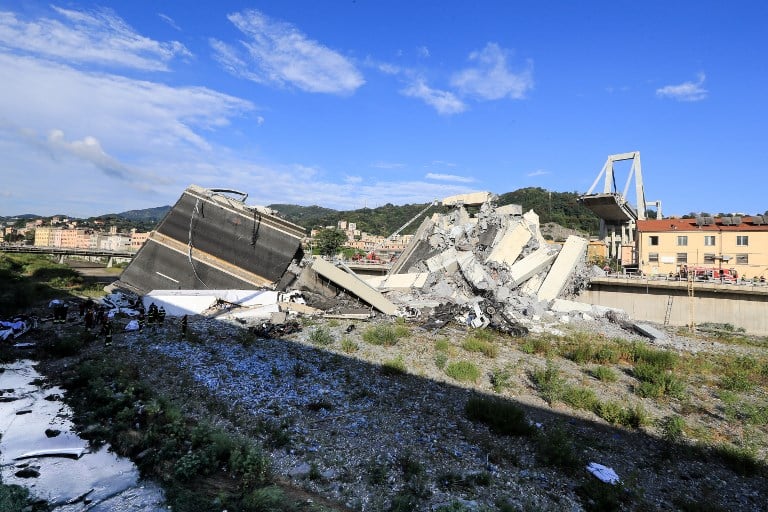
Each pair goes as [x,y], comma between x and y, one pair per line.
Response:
[89,37]
[449,177]
[279,54]
[687,91]
[170,21]
[353,179]
[490,79]
[423,52]
[445,102]
[537,172]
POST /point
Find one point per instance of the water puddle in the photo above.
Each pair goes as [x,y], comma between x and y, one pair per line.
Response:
[40,451]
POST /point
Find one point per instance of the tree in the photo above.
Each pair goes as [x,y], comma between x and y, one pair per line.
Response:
[329,241]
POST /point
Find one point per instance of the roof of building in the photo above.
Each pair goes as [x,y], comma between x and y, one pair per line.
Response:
[716,224]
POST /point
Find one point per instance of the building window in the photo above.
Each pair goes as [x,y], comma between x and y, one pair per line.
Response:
[709,258]
[654,240]
[709,240]
[653,257]
[682,257]
[742,240]
[682,240]
[742,259]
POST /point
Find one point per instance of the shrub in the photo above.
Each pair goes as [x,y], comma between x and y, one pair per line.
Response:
[580,397]
[378,472]
[555,448]
[442,345]
[604,374]
[610,411]
[742,459]
[634,416]
[477,344]
[441,359]
[463,371]
[500,379]
[657,381]
[549,382]
[321,336]
[541,346]
[661,359]
[501,417]
[741,374]
[672,428]
[349,346]
[266,499]
[394,366]
[382,334]
[251,463]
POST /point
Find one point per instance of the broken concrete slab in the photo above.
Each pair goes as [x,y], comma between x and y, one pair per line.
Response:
[402,282]
[470,199]
[511,245]
[510,209]
[649,331]
[354,285]
[571,255]
[446,262]
[570,306]
[532,264]
[210,240]
[474,272]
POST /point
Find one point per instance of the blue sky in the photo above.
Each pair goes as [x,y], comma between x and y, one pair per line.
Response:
[111,106]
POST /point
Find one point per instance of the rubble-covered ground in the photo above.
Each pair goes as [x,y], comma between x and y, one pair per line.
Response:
[375,427]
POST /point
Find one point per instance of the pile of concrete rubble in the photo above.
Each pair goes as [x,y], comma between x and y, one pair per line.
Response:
[480,264]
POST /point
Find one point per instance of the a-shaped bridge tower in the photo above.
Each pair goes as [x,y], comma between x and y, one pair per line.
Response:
[618,218]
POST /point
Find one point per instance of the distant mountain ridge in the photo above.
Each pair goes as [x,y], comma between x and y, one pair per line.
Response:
[562,208]
[155,214]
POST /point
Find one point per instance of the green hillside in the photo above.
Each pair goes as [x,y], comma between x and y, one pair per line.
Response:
[562,208]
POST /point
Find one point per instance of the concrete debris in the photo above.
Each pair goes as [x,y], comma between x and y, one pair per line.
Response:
[210,240]
[349,282]
[649,331]
[570,256]
[493,264]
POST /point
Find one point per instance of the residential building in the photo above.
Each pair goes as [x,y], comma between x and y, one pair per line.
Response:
[138,239]
[739,243]
[44,236]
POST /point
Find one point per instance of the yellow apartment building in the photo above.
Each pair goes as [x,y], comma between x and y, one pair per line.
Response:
[739,243]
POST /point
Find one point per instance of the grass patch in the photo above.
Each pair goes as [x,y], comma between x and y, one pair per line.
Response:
[385,334]
[580,397]
[442,345]
[321,336]
[501,416]
[479,343]
[657,382]
[441,359]
[634,416]
[603,374]
[501,379]
[463,371]
[555,447]
[549,382]
[394,366]
[538,345]
[672,428]
[349,346]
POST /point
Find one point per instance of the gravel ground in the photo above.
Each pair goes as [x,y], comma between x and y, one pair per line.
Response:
[341,428]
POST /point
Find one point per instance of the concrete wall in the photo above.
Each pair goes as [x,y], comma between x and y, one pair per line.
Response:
[741,306]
